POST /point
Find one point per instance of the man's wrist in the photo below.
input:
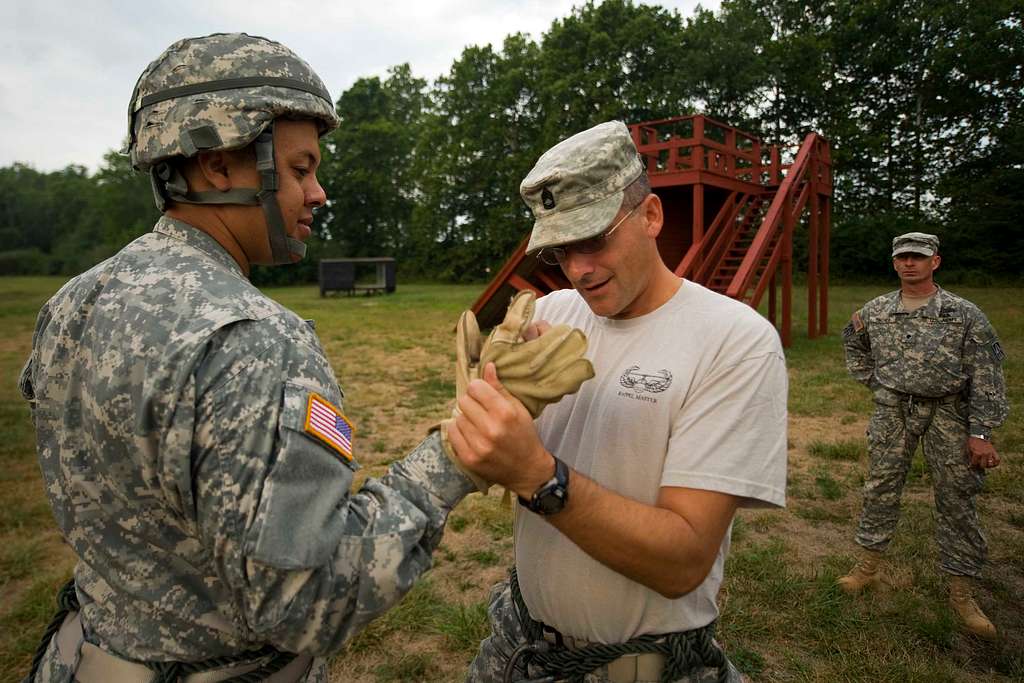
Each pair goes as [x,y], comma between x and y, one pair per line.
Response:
[978,432]
[552,496]
[540,476]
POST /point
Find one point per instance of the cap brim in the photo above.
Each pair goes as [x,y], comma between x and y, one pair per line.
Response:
[583,222]
[924,251]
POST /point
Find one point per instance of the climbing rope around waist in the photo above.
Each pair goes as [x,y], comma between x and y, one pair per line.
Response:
[684,651]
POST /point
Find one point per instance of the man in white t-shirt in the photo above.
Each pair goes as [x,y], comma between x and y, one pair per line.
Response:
[629,486]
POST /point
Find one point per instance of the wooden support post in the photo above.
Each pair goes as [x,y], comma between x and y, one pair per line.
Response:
[772,306]
[698,153]
[755,173]
[787,275]
[697,231]
[826,226]
[812,265]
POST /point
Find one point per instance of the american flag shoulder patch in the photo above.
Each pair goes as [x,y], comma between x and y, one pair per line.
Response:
[329,425]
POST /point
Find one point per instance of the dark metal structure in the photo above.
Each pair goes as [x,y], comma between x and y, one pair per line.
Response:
[340,274]
[731,205]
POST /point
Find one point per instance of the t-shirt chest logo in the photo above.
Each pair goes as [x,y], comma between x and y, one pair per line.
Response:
[640,381]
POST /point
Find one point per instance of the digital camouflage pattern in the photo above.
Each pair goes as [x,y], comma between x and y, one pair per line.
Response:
[915,243]
[575,189]
[237,115]
[169,398]
[945,347]
[507,634]
[936,375]
[894,431]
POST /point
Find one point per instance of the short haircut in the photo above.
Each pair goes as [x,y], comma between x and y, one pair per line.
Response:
[635,192]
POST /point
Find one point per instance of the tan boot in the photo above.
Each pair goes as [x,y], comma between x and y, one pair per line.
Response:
[864,574]
[962,602]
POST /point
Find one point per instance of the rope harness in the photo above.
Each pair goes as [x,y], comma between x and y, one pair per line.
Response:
[167,672]
[67,601]
[684,651]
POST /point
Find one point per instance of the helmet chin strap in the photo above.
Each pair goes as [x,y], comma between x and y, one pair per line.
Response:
[282,247]
[169,184]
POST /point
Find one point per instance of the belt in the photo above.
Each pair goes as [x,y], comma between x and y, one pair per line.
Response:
[631,668]
[911,398]
[96,665]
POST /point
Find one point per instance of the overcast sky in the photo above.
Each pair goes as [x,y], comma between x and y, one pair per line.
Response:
[67,67]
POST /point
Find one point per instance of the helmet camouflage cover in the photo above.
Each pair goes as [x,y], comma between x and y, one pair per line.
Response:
[220,92]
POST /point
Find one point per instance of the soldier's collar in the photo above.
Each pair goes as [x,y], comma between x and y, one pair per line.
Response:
[194,237]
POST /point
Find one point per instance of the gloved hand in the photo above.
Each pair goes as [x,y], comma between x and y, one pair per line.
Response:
[536,372]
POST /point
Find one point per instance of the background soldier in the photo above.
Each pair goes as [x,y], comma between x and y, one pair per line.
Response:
[934,365]
[190,430]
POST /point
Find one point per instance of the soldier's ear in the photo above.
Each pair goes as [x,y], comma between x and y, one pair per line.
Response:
[214,167]
[936,260]
[654,215]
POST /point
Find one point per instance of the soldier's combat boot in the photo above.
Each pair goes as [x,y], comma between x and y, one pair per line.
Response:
[864,573]
[963,604]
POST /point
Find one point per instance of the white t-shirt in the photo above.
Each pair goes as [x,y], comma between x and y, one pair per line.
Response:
[693,395]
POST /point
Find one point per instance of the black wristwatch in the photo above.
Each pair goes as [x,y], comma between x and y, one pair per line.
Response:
[553,495]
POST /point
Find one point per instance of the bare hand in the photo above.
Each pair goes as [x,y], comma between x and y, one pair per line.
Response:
[494,437]
[982,452]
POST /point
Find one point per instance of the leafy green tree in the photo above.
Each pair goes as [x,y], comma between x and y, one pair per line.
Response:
[479,140]
[368,166]
[615,60]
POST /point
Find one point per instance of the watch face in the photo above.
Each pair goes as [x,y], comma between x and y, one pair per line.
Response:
[552,500]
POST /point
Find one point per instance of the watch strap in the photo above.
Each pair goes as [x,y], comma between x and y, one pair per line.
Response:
[552,495]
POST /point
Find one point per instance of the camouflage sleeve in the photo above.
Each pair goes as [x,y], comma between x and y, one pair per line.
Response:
[25,377]
[857,344]
[307,562]
[986,390]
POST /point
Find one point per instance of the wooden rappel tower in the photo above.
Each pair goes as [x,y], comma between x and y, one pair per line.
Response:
[731,206]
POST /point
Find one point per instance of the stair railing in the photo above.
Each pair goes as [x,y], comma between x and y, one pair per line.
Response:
[699,251]
[768,246]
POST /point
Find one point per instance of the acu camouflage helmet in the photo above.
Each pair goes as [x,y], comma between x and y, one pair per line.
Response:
[219,92]
[223,92]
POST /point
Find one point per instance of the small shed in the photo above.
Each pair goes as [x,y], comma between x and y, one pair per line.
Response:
[348,275]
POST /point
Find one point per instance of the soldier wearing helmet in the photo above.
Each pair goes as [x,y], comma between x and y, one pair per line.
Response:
[191,431]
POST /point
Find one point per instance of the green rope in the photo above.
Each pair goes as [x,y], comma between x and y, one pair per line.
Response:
[684,651]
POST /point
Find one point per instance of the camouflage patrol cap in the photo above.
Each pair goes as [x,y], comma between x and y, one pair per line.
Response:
[576,187]
[219,92]
[915,243]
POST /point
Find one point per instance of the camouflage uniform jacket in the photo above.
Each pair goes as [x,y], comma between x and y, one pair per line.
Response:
[169,398]
[945,347]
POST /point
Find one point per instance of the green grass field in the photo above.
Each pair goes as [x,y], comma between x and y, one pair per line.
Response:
[782,618]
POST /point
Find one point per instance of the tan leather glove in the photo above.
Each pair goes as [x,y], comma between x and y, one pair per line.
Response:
[537,372]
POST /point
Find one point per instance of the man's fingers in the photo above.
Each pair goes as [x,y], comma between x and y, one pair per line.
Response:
[491,377]
[489,392]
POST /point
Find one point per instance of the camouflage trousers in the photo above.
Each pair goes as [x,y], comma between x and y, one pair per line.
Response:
[507,634]
[940,425]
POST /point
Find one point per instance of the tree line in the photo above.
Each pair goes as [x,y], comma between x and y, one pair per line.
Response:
[921,101]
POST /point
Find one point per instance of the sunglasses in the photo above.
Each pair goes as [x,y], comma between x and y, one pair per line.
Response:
[554,256]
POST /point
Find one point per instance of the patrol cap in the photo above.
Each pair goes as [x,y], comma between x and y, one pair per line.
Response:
[915,243]
[576,187]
